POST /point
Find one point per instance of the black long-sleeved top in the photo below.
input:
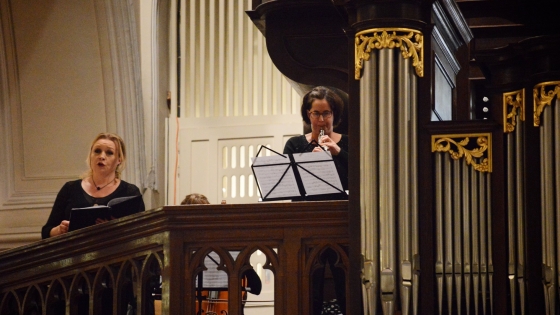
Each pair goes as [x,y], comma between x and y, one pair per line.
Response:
[299,144]
[72,195]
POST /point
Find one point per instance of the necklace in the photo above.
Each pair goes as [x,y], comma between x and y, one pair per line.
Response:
[99,188]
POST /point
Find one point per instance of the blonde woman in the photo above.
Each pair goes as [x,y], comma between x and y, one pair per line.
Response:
[100,184]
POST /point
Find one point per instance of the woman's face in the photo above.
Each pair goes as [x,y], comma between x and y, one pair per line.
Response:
[321,116]
[104,157]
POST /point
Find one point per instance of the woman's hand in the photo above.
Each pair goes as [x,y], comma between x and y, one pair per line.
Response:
[329,144]
[61,228]
[99,220]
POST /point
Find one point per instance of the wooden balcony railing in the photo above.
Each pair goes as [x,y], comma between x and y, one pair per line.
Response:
[121,265]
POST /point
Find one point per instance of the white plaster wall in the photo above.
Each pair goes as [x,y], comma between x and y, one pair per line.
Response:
[64,78]
[56,106]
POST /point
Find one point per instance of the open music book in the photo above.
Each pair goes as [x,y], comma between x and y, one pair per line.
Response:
[115,208]
[295,176]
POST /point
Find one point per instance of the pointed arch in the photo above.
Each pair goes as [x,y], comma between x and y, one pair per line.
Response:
[219,273]
[127,286]
[151,281]
[10,303]
[326,268]
[243,259]
[79,293]
[103,291]
[321,248]
[56,297]
[33,300]
[226,263]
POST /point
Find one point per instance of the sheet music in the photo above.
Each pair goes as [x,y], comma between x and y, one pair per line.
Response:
[270,175]
[323,167]
[268,160]
[214,278]
[312,156]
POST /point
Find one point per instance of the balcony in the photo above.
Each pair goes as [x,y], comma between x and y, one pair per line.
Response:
[150,261]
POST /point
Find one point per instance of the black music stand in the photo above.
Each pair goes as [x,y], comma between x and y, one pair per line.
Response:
[298,176]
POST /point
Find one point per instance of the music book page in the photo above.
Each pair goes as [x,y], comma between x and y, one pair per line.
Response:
[268,172]
[321,165]
[115,208]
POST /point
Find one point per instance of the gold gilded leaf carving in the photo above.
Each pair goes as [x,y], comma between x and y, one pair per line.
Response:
[541,98]
[480,156]
[516,100]
[410,42]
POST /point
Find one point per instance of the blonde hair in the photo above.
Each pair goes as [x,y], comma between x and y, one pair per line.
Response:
[121,153]
[195,199]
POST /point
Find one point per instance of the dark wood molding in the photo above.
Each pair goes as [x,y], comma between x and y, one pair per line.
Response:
[292,234]
[309,51]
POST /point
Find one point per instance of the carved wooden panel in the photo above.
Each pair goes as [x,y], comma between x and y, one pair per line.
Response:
[109,268]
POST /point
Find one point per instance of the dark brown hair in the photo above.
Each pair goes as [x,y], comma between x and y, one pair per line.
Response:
[322,93]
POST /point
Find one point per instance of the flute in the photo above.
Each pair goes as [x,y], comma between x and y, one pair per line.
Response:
[321,134]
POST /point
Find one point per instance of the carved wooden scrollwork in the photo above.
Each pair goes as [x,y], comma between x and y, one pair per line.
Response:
[459,146]
[516,101]
[543,94]
[409,41]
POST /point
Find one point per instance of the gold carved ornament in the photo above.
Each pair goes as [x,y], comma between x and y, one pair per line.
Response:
[410,42]
[516,100]
[444,143]
[543,98]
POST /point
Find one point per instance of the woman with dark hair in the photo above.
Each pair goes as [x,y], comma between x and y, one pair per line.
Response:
[322,109]
[97,186]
